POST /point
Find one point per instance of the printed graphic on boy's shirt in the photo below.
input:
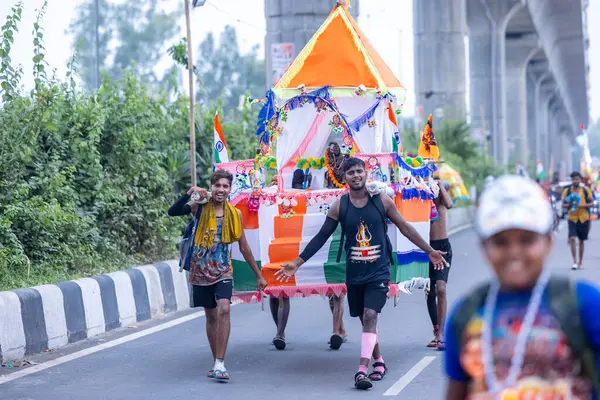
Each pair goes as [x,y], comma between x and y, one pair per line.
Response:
[549,369]
[363,251]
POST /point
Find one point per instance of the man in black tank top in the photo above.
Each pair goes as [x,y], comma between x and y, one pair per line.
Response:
[367,260]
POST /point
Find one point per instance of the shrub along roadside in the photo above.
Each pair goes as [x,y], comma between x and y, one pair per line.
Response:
[86,178]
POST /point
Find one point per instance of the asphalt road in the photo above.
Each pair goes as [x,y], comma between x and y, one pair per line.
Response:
[171,362]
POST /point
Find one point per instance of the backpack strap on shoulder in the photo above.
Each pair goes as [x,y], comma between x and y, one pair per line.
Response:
[467,309]
[381,208]
[344,200]
[563,303]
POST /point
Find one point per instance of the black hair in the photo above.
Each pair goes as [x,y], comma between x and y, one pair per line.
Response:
[576,174]
[298,178]
[221,174]
[353,162]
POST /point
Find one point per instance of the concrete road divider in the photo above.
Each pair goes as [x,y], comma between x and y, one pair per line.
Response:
[50,316]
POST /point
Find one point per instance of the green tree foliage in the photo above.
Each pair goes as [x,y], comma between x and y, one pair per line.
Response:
[139,29]
[458,149]
[224,72]
[86,177]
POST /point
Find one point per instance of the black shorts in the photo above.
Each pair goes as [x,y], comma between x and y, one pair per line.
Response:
[372,295]
[441,275]
[207,296]
[580,230]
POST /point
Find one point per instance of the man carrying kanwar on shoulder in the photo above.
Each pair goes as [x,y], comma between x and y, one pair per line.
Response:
[368,250]
[526,334]
[218,225]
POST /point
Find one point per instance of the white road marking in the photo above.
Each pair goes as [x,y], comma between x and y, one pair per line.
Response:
[103,346]
[459,229]
[409,376]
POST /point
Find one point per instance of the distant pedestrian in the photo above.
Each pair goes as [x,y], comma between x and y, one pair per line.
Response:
[526,334]
[219,225]
[578,199]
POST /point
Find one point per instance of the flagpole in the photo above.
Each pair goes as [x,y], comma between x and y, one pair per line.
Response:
[191,83]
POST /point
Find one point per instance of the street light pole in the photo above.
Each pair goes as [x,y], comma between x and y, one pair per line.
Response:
[191,83]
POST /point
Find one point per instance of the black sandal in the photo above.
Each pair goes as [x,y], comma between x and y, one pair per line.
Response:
[376,375]
[335,342]
[279,343]
[364,383]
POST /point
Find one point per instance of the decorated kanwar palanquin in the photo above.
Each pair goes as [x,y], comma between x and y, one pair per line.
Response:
[337,99]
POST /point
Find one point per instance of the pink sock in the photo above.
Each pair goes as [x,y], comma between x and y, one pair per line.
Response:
[363,369]
[380,359]
[368,342]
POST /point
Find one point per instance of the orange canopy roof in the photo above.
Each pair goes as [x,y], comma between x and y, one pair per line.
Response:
[338,55]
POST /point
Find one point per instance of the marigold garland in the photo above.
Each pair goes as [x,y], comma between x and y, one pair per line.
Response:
[331,174]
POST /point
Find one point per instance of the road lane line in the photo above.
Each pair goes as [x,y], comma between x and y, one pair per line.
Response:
[409,376]
[103,346]
[459,229]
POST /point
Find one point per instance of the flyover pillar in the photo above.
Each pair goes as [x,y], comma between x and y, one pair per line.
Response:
[532,140]
[295,21]
[517,55]
[487,22]
[440,59]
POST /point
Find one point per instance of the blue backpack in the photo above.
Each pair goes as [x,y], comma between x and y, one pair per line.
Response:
[186,244]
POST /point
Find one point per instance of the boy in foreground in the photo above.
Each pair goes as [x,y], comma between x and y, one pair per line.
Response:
[526,334]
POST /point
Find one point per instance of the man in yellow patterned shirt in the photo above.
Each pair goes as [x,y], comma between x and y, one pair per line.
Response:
[578,199]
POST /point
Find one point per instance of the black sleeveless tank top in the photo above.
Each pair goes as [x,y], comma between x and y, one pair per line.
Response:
[367,257]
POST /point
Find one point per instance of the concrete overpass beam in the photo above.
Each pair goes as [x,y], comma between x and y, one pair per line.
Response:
[559,25]
[517,56]
[487,22]
[440,62]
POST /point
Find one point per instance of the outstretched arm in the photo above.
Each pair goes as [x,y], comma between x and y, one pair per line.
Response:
[435,256]
[405,228]
[328,228]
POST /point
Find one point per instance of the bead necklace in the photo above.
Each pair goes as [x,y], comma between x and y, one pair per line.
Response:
[516,363]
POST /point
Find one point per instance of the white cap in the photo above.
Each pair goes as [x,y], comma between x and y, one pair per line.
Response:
[513,202]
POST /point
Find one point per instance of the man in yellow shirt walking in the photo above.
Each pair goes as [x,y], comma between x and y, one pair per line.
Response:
[578,199]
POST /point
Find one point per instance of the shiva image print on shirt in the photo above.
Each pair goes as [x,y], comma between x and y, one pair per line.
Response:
[363,251]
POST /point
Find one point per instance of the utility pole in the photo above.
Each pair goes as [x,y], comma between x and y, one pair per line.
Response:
[191,79]
[97,33]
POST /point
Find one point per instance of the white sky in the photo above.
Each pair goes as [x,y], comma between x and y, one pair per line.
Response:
[388,24]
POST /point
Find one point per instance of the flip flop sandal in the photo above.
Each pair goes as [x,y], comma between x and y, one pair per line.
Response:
[376,375]
[210,374]
[221,375]
[335,342]
[279,343]
[433,344]
[363,383]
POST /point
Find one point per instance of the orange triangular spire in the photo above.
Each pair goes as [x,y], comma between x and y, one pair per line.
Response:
[339,55]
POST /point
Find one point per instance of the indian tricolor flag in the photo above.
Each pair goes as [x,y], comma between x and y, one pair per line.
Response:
[276,238]
[540,173]
[220,147]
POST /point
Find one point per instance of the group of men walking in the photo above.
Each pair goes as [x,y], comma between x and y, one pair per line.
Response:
[514,223]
